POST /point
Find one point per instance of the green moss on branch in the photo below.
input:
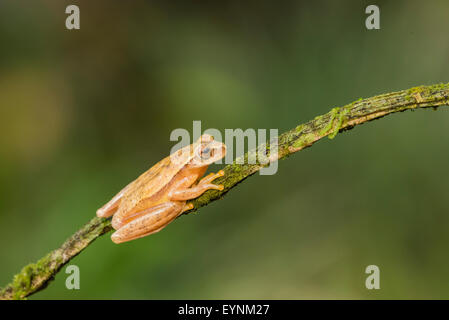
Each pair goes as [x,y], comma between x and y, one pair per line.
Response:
[36,276]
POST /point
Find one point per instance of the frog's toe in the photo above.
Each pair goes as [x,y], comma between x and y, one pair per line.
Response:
[187,207]
[211,177]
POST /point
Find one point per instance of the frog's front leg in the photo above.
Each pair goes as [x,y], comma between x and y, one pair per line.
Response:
[148,221]
[183,194]
[211,177]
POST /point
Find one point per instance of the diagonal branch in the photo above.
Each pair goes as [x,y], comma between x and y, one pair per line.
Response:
[36,276]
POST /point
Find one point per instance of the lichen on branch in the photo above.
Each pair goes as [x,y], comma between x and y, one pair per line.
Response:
[36,276]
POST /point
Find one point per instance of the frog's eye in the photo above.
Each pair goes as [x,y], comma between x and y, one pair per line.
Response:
[206,153]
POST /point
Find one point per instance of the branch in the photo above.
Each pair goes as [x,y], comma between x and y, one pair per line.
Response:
[36,276]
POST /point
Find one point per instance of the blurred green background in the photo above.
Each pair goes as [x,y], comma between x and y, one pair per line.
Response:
[84,112]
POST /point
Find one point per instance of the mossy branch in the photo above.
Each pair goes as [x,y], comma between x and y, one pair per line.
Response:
[36,276]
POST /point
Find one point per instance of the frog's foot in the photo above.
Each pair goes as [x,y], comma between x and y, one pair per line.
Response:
[193,192]
[187,207]
[147,222]
[111,207]
[211,177]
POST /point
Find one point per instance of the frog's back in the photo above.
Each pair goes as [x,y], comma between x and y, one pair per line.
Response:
[148,184]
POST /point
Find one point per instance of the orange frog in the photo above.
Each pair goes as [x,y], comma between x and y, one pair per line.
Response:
[159,195]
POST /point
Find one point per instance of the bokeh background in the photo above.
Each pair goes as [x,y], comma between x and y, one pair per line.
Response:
[84,112]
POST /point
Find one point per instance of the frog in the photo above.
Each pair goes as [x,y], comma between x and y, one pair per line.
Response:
[162,193]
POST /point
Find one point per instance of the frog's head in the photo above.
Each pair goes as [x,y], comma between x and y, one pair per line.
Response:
[207,151]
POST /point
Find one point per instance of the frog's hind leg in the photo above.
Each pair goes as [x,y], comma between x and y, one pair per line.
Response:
[146,222]
[111,207]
